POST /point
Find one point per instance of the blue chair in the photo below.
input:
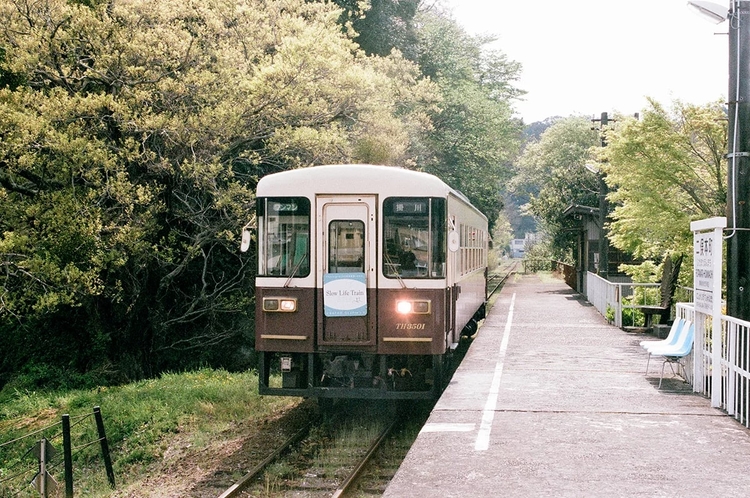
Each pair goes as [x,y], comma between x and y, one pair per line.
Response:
[671,338]
[678,327]
[675,352]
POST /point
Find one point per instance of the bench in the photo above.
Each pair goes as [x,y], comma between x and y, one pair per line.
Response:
[670,273]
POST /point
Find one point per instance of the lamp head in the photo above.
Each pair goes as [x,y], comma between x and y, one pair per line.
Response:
[709,10]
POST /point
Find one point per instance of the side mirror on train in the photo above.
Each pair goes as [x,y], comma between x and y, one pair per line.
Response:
[245,245]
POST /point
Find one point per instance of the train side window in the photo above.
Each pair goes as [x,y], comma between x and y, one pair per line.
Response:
[284,236]
[414,237]
[346,246]
[438,237]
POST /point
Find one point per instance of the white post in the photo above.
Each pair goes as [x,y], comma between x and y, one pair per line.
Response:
[707,266]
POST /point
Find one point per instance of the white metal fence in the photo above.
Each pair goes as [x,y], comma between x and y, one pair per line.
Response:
[613,298]
[729,385]
[734,377]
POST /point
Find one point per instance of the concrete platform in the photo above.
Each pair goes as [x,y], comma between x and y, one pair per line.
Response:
[552,401]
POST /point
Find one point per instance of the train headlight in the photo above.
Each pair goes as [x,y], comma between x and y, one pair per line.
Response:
[418,307]
[280,304]
[403,307]
[288,305]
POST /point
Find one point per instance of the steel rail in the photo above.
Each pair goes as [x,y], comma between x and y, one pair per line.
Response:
[344,488]
[510,272]
[236,488]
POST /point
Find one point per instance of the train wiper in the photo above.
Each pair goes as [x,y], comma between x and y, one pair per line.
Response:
[398,275]
[294,270]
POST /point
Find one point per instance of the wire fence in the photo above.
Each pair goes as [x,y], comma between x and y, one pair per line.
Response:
[32,464]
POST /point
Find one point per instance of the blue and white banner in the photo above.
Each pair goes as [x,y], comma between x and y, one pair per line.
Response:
[344,294]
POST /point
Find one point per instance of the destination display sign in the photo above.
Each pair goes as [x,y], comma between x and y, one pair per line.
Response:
[410,207]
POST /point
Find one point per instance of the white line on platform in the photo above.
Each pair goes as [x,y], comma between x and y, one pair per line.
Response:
[483,438]
[435,427]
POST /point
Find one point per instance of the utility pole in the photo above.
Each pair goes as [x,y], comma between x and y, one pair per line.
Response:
[738,184]
[603,203]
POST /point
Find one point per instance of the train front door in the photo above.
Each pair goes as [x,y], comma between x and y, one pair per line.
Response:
[346,271]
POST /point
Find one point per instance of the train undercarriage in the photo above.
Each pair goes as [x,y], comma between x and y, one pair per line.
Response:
[354,375]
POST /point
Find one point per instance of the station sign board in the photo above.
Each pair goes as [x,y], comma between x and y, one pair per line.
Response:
[707,262]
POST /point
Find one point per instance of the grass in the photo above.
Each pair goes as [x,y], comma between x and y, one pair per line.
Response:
[142,422]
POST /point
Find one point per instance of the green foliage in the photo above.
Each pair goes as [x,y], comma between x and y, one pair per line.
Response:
[502,234]
[474,137]
[632,317]
[542,251]
[665,171]
[645,272]
[610,314]
[552,172]
[132,135]
[140,420]
[382,25]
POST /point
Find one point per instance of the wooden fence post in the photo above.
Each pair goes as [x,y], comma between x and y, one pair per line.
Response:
[105,446]
[67,456]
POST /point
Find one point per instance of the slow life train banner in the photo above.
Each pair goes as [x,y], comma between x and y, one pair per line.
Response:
[344,294]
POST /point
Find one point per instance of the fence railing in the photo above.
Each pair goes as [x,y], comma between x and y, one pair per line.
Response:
[605,296]
[733,379]
[43,444]
[620,301]
[728,385]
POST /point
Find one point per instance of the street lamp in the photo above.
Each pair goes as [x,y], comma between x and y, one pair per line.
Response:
[738,170]
[711,11]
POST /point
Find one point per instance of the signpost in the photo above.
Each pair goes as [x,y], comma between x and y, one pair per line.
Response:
[707,261]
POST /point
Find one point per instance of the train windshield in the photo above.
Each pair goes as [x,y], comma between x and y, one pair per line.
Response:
[284,236]
[414,237]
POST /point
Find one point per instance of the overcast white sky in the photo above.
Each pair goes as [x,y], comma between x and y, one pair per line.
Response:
[583,57]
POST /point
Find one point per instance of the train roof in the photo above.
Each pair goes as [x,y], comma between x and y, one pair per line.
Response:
[354,179]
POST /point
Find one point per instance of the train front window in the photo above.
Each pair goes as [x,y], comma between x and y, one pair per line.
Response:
[414,237]
[284,236]
[346,246]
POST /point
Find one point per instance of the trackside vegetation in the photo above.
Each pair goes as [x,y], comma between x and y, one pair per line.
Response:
[150,425]
[133,133]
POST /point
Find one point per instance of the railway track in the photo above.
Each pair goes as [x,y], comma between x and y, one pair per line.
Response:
[237,488]
[330,462]
[496,279]
[314,464]
[348,484]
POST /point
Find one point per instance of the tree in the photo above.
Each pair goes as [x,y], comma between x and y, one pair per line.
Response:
[664,171]
[382,25]
[132,134]
[502,234]
[474,135]
[552,173]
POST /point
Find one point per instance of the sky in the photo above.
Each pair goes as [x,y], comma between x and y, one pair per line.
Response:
[585,57]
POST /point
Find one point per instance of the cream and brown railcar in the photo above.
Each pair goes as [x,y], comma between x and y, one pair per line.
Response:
[367,277]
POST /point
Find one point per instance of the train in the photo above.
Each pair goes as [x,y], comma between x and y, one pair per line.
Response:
[367,278]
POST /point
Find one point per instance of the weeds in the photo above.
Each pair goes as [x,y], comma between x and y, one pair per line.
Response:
[141,420]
